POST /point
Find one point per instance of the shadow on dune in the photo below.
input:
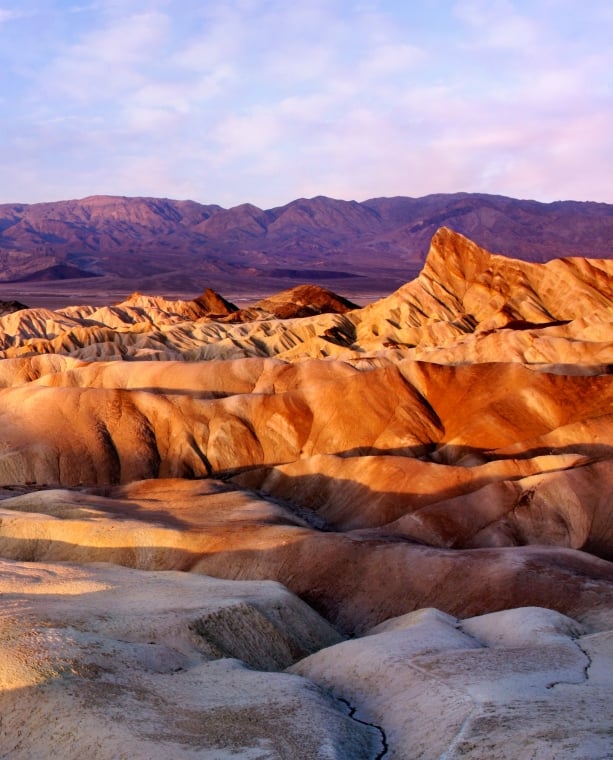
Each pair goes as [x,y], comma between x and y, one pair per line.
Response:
[199,394]
[468,456]
[128,510]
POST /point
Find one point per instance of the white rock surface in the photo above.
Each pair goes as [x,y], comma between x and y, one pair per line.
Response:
[521,683]
[106,662]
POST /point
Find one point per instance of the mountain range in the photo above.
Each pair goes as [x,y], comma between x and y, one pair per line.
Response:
[179,246]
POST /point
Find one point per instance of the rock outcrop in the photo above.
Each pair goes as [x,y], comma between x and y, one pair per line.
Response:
[126,664]
[166,464]
[522,683]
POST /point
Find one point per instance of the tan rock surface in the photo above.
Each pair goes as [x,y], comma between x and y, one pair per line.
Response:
[356,579]
[449,446]
[110,662]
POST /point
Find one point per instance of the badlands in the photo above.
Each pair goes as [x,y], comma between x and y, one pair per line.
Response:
[309,530]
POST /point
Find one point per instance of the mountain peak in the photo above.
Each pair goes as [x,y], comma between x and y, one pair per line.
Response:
[380,244]
[452,255]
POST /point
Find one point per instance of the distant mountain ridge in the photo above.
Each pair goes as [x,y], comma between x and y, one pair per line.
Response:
[353,246]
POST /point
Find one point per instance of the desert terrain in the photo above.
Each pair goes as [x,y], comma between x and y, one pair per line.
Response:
[302,527]
[101,249]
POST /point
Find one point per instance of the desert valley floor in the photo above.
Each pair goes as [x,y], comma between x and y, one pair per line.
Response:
[304,529]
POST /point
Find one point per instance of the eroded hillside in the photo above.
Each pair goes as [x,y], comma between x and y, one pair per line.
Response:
[449,447]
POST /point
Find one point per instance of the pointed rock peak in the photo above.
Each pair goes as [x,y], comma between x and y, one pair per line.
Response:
[9,307]
[214,303]
[134,297]
[452,254]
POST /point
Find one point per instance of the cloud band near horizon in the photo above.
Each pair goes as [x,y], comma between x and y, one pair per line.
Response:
[265,101]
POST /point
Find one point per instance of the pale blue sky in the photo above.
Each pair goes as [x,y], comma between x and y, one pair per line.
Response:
[265,101]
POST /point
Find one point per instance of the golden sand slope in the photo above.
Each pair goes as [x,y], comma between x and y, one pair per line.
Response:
[117,422]
[465,291]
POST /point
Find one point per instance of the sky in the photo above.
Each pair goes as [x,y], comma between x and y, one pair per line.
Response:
[265,101]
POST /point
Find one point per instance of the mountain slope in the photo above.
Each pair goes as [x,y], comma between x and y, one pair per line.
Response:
[161,244]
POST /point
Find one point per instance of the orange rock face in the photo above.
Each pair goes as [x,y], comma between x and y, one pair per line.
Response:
[449,446]
[449,452]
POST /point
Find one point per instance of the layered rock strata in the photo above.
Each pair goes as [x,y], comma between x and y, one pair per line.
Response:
[165,465]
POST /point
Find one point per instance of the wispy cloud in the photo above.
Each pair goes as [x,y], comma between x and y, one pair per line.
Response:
[109,61]
[8,14]
[498,24]
[263,100]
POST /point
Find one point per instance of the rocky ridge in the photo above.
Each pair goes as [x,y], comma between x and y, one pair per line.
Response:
[111,243]
[428,477]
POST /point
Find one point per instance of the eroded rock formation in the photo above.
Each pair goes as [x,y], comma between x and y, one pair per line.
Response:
[446,447]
